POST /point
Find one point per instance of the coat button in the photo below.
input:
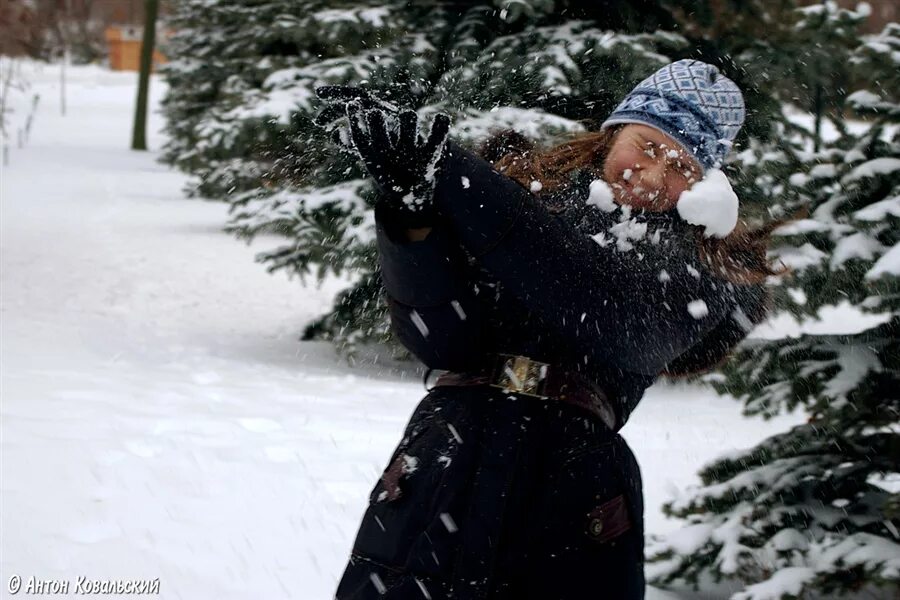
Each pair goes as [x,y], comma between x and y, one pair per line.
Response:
[596,527]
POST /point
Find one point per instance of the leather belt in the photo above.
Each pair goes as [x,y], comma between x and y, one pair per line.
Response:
[522,375]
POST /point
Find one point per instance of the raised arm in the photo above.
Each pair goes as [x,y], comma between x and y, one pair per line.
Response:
[629,310]
[634,311]
[433,310]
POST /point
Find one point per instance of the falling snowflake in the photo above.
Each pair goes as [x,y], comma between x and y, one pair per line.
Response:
[698,309]
[448,522]
[419,323]
[377,582]
[459,311]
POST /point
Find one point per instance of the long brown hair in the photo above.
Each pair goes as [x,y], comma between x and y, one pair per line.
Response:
[740,258]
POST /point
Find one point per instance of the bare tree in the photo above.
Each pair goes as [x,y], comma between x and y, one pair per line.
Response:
[42,28]
[12,82]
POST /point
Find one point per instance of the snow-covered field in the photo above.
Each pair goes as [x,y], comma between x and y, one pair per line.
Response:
[159,417]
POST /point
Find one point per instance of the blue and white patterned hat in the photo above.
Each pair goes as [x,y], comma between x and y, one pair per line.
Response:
[692,102]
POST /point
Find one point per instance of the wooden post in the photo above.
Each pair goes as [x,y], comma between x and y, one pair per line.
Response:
[67,57]
[139,135]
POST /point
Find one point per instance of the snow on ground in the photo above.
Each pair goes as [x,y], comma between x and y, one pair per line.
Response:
[159,417]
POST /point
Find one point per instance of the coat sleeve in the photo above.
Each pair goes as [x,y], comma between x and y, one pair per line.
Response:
[432,306]
[635,311]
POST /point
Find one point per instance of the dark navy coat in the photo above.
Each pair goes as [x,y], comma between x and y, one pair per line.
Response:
[547,289]
[490,495]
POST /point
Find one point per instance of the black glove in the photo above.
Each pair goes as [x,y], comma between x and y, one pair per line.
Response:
[332,117]
[403,163]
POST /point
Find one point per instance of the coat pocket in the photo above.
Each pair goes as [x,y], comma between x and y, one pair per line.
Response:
[587,540]
[401,504]
[404,460]
[609,520]
[588,537]
[589,505]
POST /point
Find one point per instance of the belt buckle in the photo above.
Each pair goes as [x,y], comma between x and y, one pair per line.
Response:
[521,375]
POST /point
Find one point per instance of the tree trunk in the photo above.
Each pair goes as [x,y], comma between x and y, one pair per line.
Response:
[818,112]
[139,136]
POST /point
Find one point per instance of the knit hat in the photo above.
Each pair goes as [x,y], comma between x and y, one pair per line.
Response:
[691,102]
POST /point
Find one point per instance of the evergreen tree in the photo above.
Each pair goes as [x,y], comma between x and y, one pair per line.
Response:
[241,103]
[812,508]
[815,511]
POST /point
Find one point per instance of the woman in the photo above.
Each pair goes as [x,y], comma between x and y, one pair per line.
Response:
[551,314]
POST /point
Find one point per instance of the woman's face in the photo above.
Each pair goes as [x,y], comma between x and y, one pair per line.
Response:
[647,169]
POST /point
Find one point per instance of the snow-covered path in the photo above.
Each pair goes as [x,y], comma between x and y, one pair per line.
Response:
[159,418]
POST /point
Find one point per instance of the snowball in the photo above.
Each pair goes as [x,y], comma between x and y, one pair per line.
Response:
[626,174]
[710,203]
[601,196]
[626,232]
[465,182]
[536,186]
[698,309]
[664,276]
